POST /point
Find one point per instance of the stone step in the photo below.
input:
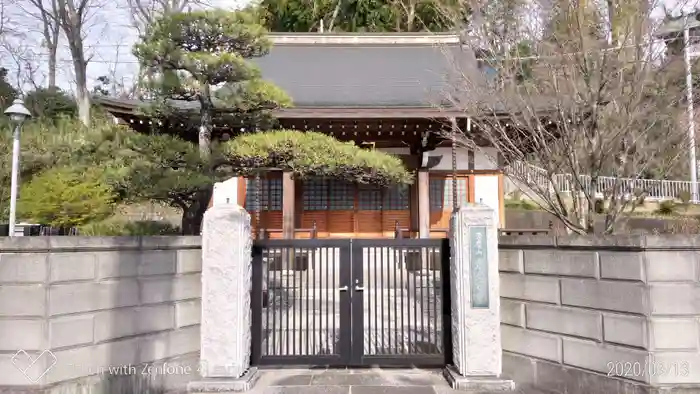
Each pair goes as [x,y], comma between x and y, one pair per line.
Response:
[352,377]
[355,381]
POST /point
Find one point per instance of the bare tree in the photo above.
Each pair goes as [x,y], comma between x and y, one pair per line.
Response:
[3,19]
[578,123]
[112,83]
[19,55]
[46,12]
[73,17]
[145,12]
[26,65]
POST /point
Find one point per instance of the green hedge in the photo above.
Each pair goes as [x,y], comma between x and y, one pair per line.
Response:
[117,227]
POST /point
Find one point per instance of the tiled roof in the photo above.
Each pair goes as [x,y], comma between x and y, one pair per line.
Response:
[363,70]
[368,73]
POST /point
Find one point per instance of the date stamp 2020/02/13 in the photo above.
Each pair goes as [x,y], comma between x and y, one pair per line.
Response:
[650,367]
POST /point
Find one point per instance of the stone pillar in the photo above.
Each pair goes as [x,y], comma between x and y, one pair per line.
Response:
[226,313]
[225,192]
[476,335]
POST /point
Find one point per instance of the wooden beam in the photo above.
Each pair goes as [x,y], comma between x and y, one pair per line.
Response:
[288,205]
[423,204]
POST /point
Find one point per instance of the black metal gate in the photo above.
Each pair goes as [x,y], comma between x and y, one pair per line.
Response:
[356,302]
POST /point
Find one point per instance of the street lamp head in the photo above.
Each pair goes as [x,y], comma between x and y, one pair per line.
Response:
[18,112]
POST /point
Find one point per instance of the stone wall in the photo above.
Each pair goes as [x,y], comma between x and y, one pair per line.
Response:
[88,306]
[587,314]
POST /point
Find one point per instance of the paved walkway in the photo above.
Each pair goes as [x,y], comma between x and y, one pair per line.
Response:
[355,381]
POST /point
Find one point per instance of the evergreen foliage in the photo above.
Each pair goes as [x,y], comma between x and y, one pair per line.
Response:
[7,92]
[66,197]
[314,154]
[362,15]
[50,103]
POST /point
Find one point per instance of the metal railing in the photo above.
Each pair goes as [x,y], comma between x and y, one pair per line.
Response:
[653,189]
[32,230]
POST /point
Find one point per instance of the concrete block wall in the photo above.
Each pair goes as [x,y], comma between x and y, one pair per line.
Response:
[618,312]
[75,307]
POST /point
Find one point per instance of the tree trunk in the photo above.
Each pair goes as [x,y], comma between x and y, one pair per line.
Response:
[52,67]
[590,205]
[611,24]
[82,93]
[83,99]
[410,16]
[336,10]
[72,29]
[205,126]
[51,34]
[192,215]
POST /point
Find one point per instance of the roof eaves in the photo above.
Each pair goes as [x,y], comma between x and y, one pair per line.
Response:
[365,39]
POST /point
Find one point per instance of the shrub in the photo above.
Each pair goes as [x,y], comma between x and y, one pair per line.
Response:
[684,196]
[117,227]
[599,206]
[641,200]
[666,207]
[520,204]
[66,197]
[683,225]
[50,103]
[640,197]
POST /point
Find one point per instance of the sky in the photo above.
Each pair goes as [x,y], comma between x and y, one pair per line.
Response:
[109,42]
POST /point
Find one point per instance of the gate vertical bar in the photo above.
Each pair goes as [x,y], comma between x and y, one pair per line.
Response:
[394,300]
[374,337]
[434,308]
[345,281]
[380,294]
[326,323]
[357,302]
[399,252]
[335,308]
[257,333]
[291,266]
[307,290]
[272,312]
[446,301]
[285,306]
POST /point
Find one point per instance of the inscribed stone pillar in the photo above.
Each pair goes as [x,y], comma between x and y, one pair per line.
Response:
[476,335]
[226,314]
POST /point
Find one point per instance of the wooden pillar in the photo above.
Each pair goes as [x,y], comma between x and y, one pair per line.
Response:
[423,204]
[455,201]
[288,202]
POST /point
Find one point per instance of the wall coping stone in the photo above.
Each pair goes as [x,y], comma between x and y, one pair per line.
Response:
[519,241]
[77,243]
[605,242]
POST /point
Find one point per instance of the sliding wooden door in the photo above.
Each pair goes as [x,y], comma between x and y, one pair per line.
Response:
[440,196]
[342,209]
[270,202]
[330,204]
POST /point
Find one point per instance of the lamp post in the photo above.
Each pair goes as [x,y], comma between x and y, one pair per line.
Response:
[686,23]
[18,113]
[690,110]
